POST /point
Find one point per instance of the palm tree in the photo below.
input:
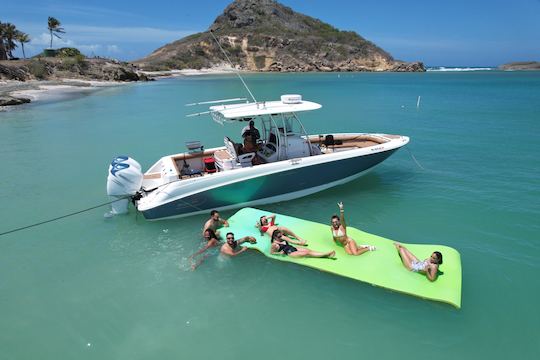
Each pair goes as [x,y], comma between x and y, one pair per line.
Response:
[3,52]
[8,32]
[54,28]
[23,38]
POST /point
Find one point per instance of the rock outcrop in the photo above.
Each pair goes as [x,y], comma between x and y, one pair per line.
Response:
[522,65]
[263,35]
[54,68]
[6,100]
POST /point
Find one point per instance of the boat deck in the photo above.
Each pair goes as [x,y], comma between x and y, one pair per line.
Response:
[193,163]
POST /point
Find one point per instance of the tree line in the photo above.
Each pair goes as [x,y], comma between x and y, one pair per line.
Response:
[10,35]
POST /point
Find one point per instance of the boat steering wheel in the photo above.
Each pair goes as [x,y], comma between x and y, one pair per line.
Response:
[271,147]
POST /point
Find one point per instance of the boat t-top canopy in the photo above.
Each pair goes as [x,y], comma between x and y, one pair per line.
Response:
[288,104]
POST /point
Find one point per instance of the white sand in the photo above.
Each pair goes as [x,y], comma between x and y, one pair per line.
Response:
[222,69]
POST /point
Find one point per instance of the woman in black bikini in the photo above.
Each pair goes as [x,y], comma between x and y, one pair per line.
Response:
[280,246]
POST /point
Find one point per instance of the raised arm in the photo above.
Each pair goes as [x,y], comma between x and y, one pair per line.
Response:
[342,214]
[224,222]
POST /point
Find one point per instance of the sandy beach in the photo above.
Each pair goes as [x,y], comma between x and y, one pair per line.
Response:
[216,70]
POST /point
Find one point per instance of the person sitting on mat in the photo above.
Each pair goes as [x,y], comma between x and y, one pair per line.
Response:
[267,225]
[339,232]
[211,241]
[280,246]
[429,267]
[215,222]
[232,247]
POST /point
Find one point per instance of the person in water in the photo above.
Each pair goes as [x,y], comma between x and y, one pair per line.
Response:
[267,225]
[280,246]
[339,233]
[214,223]
[211,241]
[429,267]
[232,247]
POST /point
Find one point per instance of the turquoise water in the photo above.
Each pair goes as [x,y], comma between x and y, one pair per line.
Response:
[88,287]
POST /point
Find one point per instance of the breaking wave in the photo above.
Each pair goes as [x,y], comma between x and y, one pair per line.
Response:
[443,68]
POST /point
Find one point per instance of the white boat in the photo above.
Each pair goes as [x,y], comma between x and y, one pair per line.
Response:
[289,164]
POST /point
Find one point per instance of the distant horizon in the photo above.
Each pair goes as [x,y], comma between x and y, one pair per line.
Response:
[461,35]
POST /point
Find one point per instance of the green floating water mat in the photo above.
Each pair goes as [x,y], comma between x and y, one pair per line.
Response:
[382,267]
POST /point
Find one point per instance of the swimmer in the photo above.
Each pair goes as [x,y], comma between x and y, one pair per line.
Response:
[339,233]
[281,246]
[266,225]
[211,241]
[215,222]
[429,267]
[232,247]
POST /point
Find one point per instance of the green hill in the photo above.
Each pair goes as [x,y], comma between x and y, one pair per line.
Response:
[265,35]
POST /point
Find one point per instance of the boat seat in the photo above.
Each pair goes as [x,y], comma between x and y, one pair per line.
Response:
[228,159]
[244,159]
[221,155]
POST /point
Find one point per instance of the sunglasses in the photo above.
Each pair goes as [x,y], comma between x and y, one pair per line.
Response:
[230,238]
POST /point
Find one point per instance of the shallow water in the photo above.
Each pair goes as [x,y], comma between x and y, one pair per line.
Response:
[88,287]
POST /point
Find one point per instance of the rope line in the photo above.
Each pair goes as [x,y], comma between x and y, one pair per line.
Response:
[416,161]
[92,208]
[61,217]
[230,62]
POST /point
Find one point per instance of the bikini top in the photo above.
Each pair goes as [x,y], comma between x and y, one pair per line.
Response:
[338,232]
[265,227]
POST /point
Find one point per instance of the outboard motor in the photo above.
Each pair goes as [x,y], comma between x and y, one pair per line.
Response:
[124,180]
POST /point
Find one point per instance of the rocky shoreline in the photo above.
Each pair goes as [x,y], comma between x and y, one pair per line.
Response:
[23,81]
[18,87]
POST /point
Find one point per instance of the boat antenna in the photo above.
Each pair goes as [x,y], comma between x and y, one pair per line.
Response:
[230,62]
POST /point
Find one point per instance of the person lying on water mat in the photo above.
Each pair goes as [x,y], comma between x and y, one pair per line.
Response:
[267,225]
[429,267]
[339,233]
[281,246]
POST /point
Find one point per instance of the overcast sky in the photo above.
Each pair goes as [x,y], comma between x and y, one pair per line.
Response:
[449,33]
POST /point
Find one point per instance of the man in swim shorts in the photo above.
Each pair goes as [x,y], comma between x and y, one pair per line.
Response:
[214,223]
